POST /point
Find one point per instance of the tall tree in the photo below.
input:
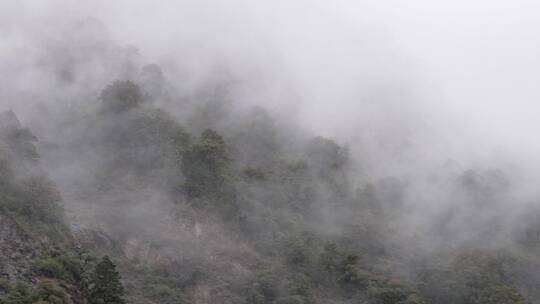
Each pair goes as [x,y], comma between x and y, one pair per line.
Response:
[107,288]
[205,166]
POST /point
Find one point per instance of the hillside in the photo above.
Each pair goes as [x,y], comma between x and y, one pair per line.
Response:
[235,214]
[126,181]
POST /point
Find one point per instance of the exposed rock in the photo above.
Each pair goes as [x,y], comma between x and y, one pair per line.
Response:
[17,249]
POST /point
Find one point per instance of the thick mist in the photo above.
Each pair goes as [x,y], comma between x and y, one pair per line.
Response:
[427,111]
[457,78]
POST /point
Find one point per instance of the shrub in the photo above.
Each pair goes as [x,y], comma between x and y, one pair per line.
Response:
[59,266]
[50,267]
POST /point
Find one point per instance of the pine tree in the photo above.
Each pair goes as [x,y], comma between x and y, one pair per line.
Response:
[107,288]
[205,167]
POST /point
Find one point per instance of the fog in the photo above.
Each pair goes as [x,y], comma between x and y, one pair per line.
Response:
[463,71]
[417,92]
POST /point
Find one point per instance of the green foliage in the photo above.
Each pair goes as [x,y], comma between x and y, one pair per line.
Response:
[330,257]
[21,142]
[205,166]
[256,139]
[144,144]
[50,267]
[49,292]
[26,193]
[267,284]
[502,295]
[383,291]
[329,160]
[288,200]
[4,285]
[37,199]
[342,268]
[299,250]
[413,299]
[391,295]
[164,284]
[264,288]
[46,292]
[326,155]
[256,297]
[299,284]
[107,287]
[254,174]
[20,293]
[120,96]
[349,276]
[472,277]
[60,266]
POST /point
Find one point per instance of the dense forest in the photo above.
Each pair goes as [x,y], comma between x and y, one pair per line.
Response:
[132,187]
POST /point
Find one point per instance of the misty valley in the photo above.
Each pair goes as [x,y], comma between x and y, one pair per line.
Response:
[125,178]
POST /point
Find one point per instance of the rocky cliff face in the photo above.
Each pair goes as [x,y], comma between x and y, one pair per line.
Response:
[18,247]
[16,251]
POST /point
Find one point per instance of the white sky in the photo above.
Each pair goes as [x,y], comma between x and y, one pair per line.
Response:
[472,67]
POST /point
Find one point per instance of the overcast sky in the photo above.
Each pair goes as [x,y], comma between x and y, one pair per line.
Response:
[468,71]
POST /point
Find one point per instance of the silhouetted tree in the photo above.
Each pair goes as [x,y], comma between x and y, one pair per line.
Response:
[120,96]
[205,166]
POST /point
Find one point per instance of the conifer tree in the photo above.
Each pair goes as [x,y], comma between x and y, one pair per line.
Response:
[205,166]
[107,288]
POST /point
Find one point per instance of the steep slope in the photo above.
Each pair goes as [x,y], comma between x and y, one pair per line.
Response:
[38,260]
[215,218]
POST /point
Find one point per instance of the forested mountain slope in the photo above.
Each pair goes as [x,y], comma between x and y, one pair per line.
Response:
[197,199]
